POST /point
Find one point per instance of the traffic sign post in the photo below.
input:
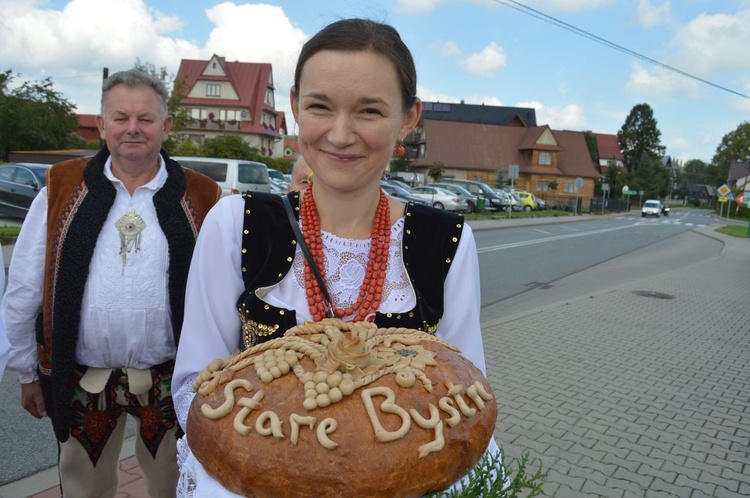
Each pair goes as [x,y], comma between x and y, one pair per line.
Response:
[512,174]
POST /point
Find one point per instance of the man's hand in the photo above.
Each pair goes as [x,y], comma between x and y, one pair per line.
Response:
[32,400]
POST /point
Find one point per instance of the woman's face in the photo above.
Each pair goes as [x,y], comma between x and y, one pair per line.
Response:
[350,115]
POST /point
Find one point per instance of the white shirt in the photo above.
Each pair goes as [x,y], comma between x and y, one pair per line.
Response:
[4,344]
[125,313]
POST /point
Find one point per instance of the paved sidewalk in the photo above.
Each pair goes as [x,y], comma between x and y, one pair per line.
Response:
[622,394]
[641,390]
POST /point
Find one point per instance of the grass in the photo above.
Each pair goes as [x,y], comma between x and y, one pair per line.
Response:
[8,234]
[734,231]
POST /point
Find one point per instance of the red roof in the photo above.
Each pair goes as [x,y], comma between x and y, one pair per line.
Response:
[250,81]
[608,147]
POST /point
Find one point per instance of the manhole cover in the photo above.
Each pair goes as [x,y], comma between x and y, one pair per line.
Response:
[654,294]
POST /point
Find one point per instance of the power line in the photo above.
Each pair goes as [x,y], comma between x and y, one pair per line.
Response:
[561,24]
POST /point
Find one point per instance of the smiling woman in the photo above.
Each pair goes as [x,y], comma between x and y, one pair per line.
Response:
[265,264]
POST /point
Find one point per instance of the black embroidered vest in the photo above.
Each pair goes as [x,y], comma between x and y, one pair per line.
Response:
[430,240]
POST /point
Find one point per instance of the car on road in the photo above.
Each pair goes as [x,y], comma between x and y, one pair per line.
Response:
[651,208]
[440,198]
[19,184]
[400,193]
[475,202]
[665,209]
[541,204]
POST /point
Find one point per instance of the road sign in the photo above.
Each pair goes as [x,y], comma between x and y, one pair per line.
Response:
[579,182]
[629,192]
[723,190]
[625,189]
[513,171]
[722,199]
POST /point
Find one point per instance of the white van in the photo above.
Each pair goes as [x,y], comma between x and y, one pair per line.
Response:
[234,176]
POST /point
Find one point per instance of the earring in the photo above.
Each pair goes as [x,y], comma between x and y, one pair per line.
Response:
[400,151]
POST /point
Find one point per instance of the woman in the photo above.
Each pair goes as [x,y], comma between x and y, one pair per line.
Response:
[354,99]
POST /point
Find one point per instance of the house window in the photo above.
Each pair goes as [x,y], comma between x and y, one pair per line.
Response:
[269,97]
[213,90]
[570,188]
[198,113]
[227,115]
[542,186]
[545,158]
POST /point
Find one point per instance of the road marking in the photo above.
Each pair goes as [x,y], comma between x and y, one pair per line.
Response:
[542,231]
[550,239]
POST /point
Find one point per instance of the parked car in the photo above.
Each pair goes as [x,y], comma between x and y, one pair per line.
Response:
[440,198]
[232,175]
[492,201]
[277,186]
[278,175]
[19,184]
[475,202]
[665,209]
[400,193]
[527,200]
[651,208]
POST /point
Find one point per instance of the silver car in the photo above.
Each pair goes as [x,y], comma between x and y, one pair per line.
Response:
[462,193]
[440,198]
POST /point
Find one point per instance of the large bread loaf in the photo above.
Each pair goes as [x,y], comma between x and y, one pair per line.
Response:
[337,409]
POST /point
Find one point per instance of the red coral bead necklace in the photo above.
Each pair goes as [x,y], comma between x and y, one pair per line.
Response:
[371,291]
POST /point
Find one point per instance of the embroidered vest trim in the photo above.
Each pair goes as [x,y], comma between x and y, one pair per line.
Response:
[430,241]
[79,200]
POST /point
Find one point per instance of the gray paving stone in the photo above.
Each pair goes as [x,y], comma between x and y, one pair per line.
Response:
[613,408]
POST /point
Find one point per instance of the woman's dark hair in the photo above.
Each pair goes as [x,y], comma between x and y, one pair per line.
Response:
[357,35]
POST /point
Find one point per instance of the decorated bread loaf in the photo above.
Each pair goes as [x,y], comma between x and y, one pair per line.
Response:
[336,409]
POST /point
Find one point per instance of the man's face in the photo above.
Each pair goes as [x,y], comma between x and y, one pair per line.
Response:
[132,124]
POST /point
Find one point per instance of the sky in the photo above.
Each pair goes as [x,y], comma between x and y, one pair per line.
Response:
[582,64]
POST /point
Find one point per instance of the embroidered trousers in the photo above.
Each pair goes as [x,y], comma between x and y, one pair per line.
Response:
[89,458]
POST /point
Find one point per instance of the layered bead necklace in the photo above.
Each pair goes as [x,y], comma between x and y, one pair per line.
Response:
[371,291]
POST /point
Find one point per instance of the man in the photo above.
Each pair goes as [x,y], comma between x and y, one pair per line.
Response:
[301,175]
[104,253]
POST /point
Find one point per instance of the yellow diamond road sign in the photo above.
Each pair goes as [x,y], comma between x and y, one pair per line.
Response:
[724,190]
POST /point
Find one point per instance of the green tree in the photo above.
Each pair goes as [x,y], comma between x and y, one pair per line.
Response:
[640,136]
[402,163]
[593,149]
[229,146]
[652,177]
[734,146]
[500,180]
[33,116]
[436,171]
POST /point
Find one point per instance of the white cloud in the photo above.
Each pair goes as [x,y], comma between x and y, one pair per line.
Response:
[416,6]
[73,44]
[650,15]
[558,117]
[658,81]
[446,49]
[273,39]
[486,62]
[430,95]
[715,45]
